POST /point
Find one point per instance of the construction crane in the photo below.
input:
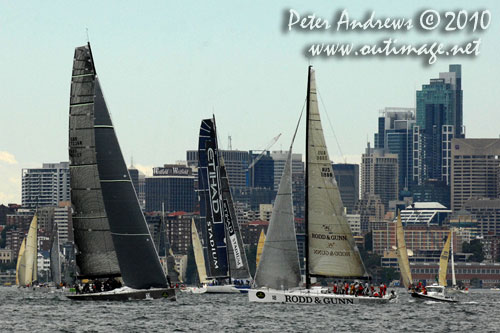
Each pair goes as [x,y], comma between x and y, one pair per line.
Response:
[273,141]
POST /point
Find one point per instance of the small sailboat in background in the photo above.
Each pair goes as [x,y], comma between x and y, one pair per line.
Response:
[436,292]
[330,248]
[260,247]
[26,267]
[455,288]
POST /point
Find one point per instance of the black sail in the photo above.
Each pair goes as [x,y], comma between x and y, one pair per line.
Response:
[95,256]
[137,257]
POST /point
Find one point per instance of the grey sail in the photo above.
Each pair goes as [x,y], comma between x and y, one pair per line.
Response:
[95,255]
[279,263]
[238,263]
[55,259]
[137,257]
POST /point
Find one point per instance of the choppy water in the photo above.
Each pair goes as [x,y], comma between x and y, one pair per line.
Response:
[52,312]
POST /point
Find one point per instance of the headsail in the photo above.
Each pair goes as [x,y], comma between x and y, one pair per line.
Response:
[279,264]
[211,209]
[21,265]
[331,247]
[404,264]
[137,257]
[260,247]
[198,253]
[238,263]
[453,278]
[443,261]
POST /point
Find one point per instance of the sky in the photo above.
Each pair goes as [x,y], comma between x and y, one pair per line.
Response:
[165,65]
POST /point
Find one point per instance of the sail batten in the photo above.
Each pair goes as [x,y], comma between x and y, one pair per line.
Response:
[332,251]
[279,267]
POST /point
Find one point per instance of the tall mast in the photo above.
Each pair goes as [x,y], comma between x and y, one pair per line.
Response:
[306,215]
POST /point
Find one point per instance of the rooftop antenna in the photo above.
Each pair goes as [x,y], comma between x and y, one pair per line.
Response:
[131,161]
[229,143]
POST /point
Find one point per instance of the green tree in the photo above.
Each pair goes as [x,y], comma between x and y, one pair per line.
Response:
[369,242]
[476,248]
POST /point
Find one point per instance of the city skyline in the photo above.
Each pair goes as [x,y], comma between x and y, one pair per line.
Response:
[161,76]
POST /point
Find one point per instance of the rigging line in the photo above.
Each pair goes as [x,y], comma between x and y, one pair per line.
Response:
[298,123]
[330,122]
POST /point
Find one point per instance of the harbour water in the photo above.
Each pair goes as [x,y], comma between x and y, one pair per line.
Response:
[39,311]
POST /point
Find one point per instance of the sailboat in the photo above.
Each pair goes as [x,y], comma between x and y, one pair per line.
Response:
[111,235]
[225,259]
[436,292]
[330,247]
[199,260]
[403,262]
[260,246]
[26,267]
[454,287]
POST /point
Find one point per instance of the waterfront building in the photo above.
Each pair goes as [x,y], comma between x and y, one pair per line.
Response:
[45,186]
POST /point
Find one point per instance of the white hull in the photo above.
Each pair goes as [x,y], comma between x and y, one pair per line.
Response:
[223,289]
[194,290]
[457,291]
[435,297]
[311,297]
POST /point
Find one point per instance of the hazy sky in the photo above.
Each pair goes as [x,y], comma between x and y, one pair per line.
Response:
[165,65]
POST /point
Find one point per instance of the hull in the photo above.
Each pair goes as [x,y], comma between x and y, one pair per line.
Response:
[457,291]
[194,290]
[437,298]
[311,297]
[126,295]
[224,289]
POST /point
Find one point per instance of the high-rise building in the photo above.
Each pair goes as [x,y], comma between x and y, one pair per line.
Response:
[171,185]
[379,175]
[261,173]
[475,167]
[236,162]
[45,186]
[347,178]
[439,119]
[487,213]
[395,137]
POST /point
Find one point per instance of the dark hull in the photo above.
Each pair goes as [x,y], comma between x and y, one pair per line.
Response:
[156,293]
[433,298]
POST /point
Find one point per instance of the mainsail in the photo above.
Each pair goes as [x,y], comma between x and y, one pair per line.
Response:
[27,258]
[279,264]
[95,255]
[443,261]
[404,264]
[55,258]
[331,250]
[111,195]
[260,247]
[238,263]
[198,253]
[211,203]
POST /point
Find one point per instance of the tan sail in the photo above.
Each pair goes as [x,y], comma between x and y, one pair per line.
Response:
[198,253]
[443,261]
[21,266]
[332,250]
[31,252]
[404,264]
[260,246]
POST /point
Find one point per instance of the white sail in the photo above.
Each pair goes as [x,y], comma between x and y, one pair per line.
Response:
[279,263]
[404,264]
[21,266]
[443,261]
[332,250]
[198,253]
[453,279]
[29,261]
